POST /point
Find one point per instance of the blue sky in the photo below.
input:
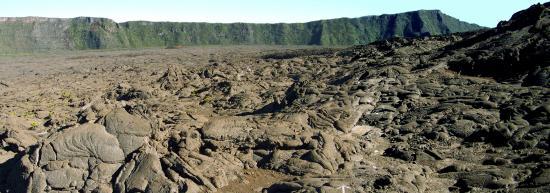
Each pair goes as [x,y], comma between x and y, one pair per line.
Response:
[484,12]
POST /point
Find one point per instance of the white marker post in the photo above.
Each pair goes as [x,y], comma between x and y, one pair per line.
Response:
[343,188]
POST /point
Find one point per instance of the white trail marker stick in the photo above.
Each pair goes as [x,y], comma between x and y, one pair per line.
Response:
[343,188]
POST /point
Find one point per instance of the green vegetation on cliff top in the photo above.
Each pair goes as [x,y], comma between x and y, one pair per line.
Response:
[29,34]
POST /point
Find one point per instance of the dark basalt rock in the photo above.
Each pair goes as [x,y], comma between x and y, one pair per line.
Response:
[513,50]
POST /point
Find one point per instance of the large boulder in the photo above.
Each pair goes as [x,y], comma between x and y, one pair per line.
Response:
[84,157]
[143,173]
[131,131]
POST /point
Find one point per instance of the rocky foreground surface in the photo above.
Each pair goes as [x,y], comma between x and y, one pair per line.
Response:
[467,112]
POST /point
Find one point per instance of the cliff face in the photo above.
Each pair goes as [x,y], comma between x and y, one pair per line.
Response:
[31,33]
